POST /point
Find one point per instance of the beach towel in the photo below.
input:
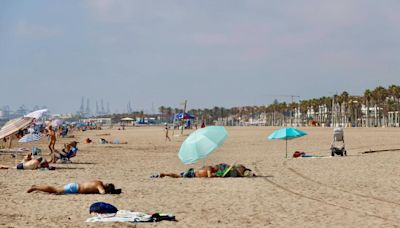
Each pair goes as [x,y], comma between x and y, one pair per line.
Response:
[133,217]
[299,154]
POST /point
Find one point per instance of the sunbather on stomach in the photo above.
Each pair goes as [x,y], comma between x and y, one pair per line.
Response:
[87,187]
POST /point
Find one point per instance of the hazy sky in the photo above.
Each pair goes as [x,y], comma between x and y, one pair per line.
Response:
[213,53]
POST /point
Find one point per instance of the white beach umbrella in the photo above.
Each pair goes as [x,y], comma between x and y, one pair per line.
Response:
[30,138]
[36,114]
[56,123]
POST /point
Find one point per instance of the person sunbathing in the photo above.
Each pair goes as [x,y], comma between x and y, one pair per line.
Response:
[87,187]
[206,171]
[235,170]
[30,163]
[220,170]
[115,141]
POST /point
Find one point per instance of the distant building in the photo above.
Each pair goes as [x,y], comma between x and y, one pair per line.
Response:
[102,121]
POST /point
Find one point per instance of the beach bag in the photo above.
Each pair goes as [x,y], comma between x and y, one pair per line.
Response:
[157,217]
[102,208]
[36,151]
[298,154]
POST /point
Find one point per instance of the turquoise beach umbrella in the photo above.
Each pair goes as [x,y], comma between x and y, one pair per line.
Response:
[201,143]
[286,134]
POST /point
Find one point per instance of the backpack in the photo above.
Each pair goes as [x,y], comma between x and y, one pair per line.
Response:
[102,208]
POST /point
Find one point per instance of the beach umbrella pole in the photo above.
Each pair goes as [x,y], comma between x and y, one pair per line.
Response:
[286,147]
[183,117]
[173,126]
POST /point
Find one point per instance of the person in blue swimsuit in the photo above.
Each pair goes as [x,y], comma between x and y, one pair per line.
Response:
[87,187]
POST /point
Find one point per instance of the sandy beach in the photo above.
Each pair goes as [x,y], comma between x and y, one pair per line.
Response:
[360,190]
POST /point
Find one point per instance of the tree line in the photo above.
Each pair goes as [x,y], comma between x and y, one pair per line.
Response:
[372,108]
[343,106]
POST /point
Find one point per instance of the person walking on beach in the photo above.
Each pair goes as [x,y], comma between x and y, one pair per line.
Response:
[52,134]
[166,133]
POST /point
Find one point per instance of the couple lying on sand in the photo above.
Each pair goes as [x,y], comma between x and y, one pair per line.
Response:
[87,187]
[220,170]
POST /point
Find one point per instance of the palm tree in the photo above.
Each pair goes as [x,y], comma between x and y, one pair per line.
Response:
[367,99]
[169,112]
[380,94]
[161,109]
[394,92]
[345,101]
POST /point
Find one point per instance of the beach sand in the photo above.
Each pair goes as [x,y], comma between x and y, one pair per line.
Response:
[361,190]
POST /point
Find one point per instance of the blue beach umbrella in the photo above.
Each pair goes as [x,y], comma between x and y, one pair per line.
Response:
[286,134]
[201,143]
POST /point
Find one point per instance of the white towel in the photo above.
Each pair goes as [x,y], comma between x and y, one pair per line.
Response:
[121,216]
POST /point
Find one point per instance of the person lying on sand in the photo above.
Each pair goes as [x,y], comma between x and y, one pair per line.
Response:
[206,171]
[220,170]
[299,154]
[30,163]
[87,187]
[115,141]
[69,137]
[105,134]
[234,171]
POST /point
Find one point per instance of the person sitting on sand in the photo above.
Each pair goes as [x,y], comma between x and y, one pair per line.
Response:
[220,170]
[87,187]
[30,163]
[68,152]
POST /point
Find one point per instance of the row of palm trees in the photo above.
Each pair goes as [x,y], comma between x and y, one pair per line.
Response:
[373,108]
